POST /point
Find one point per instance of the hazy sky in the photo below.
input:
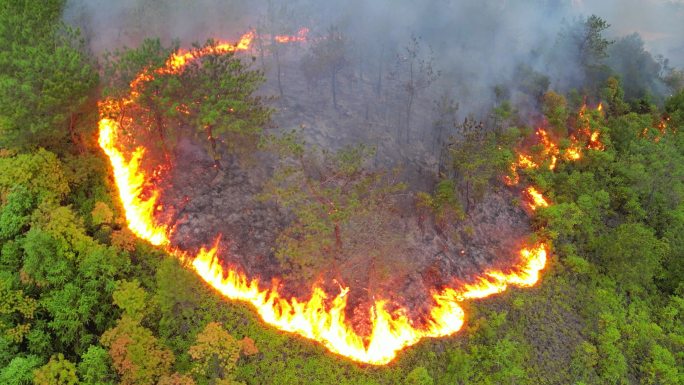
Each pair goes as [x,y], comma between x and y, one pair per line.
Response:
[659,22]
[476,43]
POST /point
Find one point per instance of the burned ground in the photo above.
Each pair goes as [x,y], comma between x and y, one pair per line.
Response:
[203,202]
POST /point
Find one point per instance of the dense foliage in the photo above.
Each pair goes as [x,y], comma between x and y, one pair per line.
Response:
[83,302]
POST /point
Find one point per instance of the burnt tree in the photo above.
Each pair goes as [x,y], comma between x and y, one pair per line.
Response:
[326,58]
[414,73]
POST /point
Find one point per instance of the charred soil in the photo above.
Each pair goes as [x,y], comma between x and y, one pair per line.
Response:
[202,202]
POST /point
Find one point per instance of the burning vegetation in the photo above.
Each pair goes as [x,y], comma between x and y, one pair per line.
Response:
[326,196]
[452,192]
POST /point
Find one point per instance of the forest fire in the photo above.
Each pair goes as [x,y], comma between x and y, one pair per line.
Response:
[300,37]
[321,317]
[537,199]
[138,210]
[205,192]
[550,148]
[659,130]
[550,153]
[585,132]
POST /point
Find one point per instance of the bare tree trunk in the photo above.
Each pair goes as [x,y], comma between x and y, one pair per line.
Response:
[441,168]
[360,69]
[276,53]
[372,273]
[399,124]
[378,87]
[333,83]
[409,105]
[212,143]
[338,237]
[72,132]
[260,47]
[467,198]
[159,121]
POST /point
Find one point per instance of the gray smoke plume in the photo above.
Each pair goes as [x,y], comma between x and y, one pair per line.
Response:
[476,44]
[485,51]
[659,22]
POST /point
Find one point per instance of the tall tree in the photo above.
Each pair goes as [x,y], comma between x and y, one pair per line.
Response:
[154,95]
[326,58]
[414,73]
[593,47]
[215,354]
[46,75]
[220,103]
[58,371]
[533,83]
[555,109]
[137,355]
[419,376]
[95,367]
[20,370]
[613,95]
[632,255]
[446,109]
[178,379]
[637,68]
[278,18]
[477,157]
[584,43]
[16,310]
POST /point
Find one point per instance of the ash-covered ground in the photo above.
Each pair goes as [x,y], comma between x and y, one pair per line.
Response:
[203,202]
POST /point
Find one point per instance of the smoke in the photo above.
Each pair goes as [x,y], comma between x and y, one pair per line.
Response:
[476,44]
[659,22]
[108,25]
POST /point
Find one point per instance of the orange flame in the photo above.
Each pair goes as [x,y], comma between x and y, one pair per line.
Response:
[538,199]
[320,317]
[525,161]
[591,138]
[550,148]
[661,129]
[513,178]
[299,38]
[573,153]
[131,181]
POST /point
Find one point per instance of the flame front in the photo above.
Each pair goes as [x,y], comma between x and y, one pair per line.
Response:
[537,199]
[299,38]
[321,317]
[130,181]
[550,153]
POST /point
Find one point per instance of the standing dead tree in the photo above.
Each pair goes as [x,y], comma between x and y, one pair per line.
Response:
[414,73]
[326,58]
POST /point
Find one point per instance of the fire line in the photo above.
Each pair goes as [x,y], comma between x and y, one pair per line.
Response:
[321,317]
